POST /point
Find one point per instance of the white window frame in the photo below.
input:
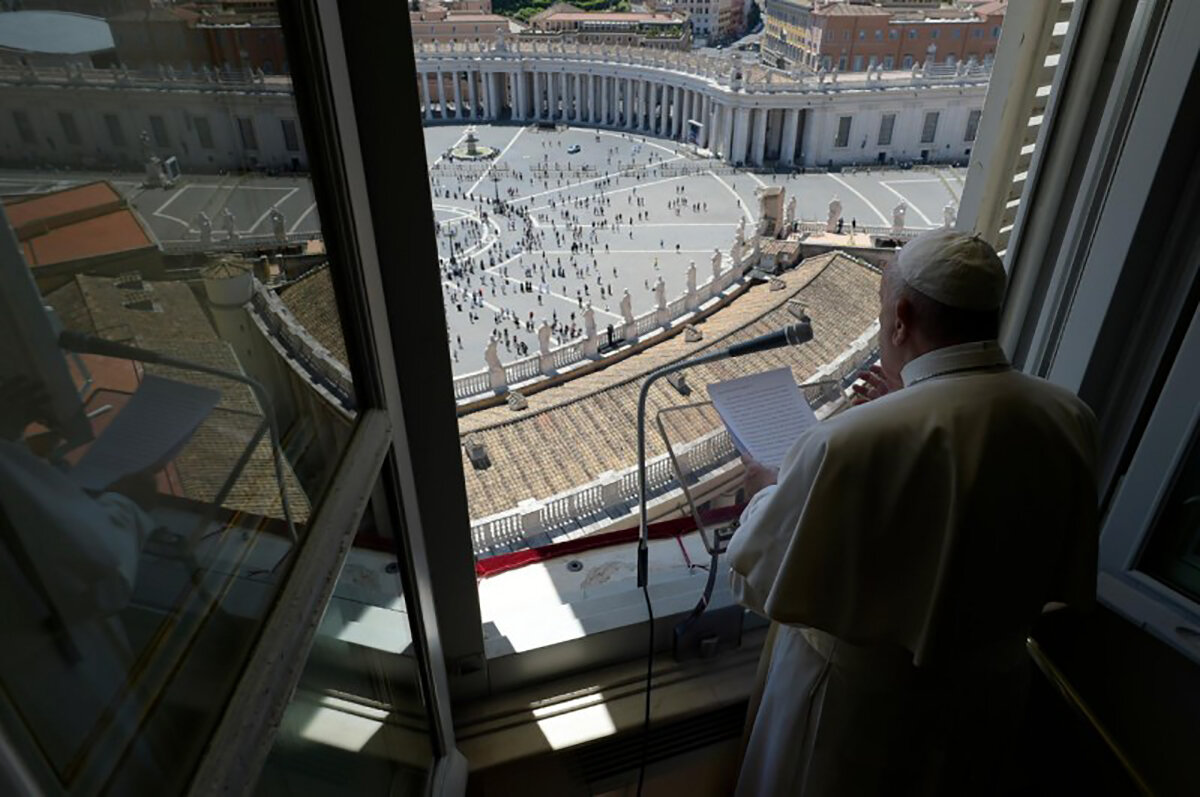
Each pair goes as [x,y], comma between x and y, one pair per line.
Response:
[1167,613]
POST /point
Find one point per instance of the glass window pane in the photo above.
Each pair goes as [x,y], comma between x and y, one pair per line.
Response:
[929,129]
[885,129]
[69,128]
[160,465]
[357,723]
[1173,552]
[972,125]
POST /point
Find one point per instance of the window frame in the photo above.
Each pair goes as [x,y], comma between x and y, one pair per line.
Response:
[330,68]
[1098,317]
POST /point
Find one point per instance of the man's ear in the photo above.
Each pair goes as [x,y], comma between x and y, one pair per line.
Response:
[902,321]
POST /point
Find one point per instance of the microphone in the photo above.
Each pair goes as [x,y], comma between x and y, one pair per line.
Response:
[791,335]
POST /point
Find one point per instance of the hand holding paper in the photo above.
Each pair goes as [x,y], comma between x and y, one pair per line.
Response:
[766,413]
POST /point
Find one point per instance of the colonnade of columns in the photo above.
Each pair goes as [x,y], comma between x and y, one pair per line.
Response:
[735,132]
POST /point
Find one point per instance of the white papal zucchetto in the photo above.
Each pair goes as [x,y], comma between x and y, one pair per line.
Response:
[956,269]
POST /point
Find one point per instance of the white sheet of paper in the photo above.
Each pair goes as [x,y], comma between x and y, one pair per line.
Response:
[150,430]
[766,413]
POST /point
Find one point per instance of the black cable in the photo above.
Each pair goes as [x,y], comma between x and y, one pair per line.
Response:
[649,678]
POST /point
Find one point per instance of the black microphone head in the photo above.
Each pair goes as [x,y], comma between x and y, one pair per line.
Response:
[799,333]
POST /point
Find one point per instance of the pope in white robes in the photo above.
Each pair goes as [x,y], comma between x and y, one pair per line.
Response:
[906,546]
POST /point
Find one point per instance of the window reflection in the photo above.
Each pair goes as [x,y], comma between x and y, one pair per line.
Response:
[166,426]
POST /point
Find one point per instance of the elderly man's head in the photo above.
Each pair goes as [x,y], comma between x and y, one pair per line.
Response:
[944,288]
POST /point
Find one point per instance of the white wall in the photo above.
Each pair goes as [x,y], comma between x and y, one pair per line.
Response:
[821,126]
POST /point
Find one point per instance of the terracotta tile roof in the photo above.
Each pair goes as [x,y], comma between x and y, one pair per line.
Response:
[113,232]
[75,223]
[310,300]
[45,208]
[572,433]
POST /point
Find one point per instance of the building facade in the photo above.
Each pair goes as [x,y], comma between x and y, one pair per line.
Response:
[787,33]
[659,30]
[712,20]
[237,36]
[741,113]
[855,37]
[437,23]
[86,120]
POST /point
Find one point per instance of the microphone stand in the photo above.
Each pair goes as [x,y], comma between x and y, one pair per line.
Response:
[792,335]
[643,556]
[89,344]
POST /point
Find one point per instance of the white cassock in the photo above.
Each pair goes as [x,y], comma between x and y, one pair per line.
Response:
[905,552]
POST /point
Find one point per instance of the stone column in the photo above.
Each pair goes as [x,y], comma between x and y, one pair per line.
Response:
[604,100]
[712,139]
[551,96]
[518,96]
[679,113]
[458,104]
[664,116]
[425,95]
[787,147]
[758,143]
[441,91]
[727,125]
[741,132]
[702,138]
[471,98]
[647,106]
[579,98]
[628,104]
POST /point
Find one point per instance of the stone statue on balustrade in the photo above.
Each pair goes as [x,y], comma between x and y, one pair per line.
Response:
[949,215]
[590,343]
[789,216]
[661,315]
[501,39]
[278,225]
[627,314]
[898,214]
[205,226]
[491,356]
[835,214]
[545,359]
[229,224]
[716,265]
